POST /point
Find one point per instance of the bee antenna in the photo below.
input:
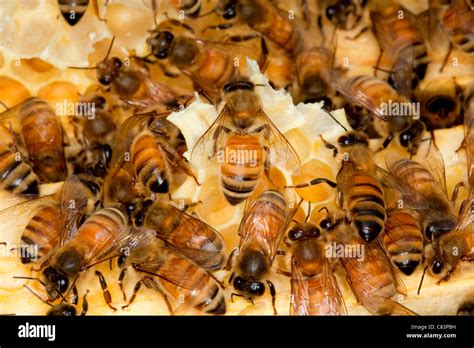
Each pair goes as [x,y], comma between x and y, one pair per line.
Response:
[339,123]
[37,295]
[421,281]
[309,212]
[384,70]
[4,105]
[109,50]
[42,283]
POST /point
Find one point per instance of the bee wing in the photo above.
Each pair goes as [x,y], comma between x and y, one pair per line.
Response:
[409,197]
[72,202]
[429,24]
[254,227]
[319,295]
[355,96]
[176,161]
[12,114]
[432,160]
[124,138]
[198,241]
[386,306]
[282,152]
[213,136]
[114,247]
[466,217]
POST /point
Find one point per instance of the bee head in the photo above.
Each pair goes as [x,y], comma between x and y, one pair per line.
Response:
[353,138]
[160,44]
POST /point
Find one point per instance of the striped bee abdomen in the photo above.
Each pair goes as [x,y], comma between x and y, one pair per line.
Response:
[403,240]
[366,205]
[41,234]
[16,176]
[150,166]
[241,167]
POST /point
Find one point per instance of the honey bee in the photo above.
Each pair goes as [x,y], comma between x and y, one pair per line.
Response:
[208,64]
[398,37]
[172,274]
[53,214]
[314,59]
[451,24]
[196,240]
[146,147]
[361,193]
[62,309]
[244,139]
[457,245]
[441,103]
[96,240]
[262,16]
[344,14]
[422,184]
[43,136]
[371,277]
[373,94]
[73,10]
[261,230]
[16,175]
[134,86]
[403,239]
[314,287]
[94,136]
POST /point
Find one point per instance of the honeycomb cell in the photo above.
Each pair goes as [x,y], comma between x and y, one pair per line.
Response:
[129,25]
[214,208]
[300,143]
[62,96]
[312,170]
[34,70]
[12,92]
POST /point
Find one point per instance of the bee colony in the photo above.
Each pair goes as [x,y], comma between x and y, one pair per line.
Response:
[236,157]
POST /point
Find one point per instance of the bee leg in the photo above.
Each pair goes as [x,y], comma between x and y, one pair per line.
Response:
[455,193]
[120,281]
[85,304]
[134,294]
[376,68]
[149,282]
[218,27]
[75,296]
[103,285]
[231,259]
[329,146]
[445,61]
[314,182]
[273,294]
[235,294]
[386,142]
[285,273]
[362,31]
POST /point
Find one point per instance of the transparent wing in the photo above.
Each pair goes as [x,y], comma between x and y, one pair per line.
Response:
[282,152]
[72,202]
[406,195]
[125,135]
[430,157]
[262,226]
[213,137]
[195,239]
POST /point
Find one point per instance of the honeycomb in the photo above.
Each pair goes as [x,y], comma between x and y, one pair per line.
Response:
[37,49]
